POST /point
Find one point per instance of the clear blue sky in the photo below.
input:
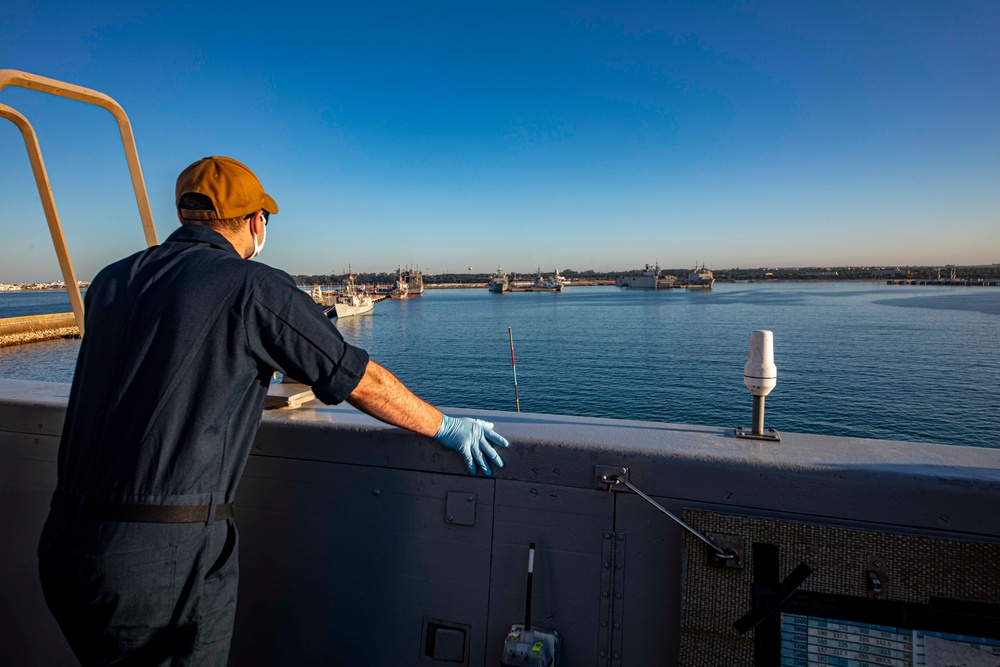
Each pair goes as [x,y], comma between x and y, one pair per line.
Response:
[568,135]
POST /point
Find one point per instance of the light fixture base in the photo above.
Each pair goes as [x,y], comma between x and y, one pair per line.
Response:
[746,434]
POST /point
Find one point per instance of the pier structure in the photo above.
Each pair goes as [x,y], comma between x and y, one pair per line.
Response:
[528,287]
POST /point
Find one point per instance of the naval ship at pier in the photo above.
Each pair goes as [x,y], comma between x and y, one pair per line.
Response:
[654,544]
[414,280]
[499,281]
[653,278]
[650,278]
[702,277]
[352,299]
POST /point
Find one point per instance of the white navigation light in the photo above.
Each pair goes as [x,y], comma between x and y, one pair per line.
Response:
[760,375]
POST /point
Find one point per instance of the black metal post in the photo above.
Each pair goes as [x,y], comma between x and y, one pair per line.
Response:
[758,415]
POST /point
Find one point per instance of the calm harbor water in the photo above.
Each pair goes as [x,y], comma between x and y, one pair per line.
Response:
[854,359]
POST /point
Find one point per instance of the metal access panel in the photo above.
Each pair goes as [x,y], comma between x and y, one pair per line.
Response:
[652,583]
[568,527]
[27,479]
[350,565]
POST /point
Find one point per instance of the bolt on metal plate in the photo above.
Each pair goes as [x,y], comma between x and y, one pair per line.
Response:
[460,508]
[604,473]
[733,544]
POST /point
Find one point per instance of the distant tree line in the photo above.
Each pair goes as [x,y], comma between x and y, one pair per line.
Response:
[859,273]
[450,278]
[339,278]
[721,275]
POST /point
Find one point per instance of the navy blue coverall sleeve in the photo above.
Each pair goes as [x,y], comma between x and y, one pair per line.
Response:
[287,331]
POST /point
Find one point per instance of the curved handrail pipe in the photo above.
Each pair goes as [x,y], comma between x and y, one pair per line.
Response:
[10,77]
[49,205]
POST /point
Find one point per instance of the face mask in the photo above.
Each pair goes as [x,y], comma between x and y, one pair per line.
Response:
[257,248]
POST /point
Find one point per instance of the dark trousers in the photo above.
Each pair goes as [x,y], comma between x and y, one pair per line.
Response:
[147,594]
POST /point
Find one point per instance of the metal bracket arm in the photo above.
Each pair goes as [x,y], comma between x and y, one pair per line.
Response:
[614,479]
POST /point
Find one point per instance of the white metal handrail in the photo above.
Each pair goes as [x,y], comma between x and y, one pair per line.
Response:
[9,77]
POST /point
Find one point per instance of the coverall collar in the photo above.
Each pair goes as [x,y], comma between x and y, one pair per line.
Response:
[192,233]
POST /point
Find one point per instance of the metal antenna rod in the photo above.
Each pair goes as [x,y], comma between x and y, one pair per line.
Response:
[614,479]
[531,573]
[517,400]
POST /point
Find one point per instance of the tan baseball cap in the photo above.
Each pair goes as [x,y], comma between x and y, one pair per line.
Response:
[234,190]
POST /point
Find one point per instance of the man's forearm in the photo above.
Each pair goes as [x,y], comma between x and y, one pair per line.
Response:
[382,395]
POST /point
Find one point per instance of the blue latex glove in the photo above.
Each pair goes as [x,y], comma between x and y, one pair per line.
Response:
[472,438]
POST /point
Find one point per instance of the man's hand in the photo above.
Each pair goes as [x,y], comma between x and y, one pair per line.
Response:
[472,438]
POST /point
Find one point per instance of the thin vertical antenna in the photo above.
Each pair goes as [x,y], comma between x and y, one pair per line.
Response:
[527,601]
[513,365]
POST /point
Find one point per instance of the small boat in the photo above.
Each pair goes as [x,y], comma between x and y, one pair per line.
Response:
[499,282]
[352,300]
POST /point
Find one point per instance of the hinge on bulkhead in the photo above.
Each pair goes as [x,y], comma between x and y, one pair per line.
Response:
[612,603]
[875,578]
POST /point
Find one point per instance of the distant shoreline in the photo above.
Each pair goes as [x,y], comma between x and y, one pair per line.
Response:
[609,282]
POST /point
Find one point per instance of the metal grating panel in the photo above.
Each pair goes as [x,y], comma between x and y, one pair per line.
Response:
[916,569]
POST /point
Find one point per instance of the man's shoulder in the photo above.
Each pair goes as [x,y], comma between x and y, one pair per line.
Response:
[253,277]
[121,268]
[266,284]
[206,266]
[264,273]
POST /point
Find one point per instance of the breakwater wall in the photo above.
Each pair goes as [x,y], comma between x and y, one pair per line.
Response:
[34,328]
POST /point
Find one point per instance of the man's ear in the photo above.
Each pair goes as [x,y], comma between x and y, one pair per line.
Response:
[257,224]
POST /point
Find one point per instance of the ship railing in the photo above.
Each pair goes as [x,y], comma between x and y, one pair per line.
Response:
[349,524]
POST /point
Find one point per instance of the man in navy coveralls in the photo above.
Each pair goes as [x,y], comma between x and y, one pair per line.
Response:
[138,558]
